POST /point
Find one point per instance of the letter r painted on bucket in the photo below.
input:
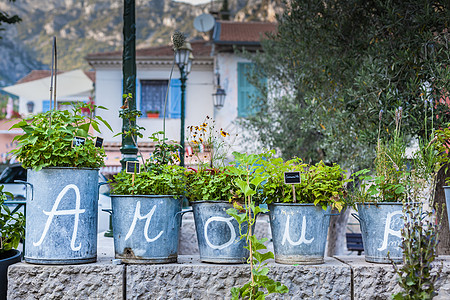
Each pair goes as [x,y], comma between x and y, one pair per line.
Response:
[388,230]
[55,212]
[148,217]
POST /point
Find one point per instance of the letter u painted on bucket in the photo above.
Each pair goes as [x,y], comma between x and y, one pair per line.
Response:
[388,230]
[148,217]
[55,212]
[287,234]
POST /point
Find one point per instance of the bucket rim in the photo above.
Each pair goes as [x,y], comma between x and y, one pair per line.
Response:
[446,186]
[146,196]
[210,202]
[64,168]
[384,203]
[295,204]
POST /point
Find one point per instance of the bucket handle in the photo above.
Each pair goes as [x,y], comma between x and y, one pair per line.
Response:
[102,183]
[181,213]
[26,183]
[356,217]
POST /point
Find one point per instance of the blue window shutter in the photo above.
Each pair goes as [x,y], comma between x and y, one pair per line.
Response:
[45,105]
[174,104]
[246,91]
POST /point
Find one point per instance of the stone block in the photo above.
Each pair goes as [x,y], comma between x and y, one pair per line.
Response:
[191,279]
[100,280]
[379,281]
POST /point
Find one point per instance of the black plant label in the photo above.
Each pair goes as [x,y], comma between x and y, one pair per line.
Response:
[98,142]
[78,141]
[292,177]
[132,167]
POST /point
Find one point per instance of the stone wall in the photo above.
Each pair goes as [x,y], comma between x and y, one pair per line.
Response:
[344,277]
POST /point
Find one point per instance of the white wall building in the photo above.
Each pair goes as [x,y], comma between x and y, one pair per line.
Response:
[212,59]
[34,90]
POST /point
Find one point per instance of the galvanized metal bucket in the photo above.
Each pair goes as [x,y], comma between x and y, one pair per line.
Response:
[299,232]
[61,210]
[146,228]
[381,225]
[447,200]
[218,233]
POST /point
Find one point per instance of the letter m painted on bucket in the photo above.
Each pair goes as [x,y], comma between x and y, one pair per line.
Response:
[148,217]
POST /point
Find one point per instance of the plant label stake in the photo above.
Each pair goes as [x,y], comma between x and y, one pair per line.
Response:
[78,141]
[98,142]
[292,178]
[132,167]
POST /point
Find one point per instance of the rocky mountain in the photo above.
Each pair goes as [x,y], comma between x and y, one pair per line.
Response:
[87,26]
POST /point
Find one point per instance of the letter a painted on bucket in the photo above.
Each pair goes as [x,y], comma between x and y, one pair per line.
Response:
[54,212]
[388,230]
[137,216]
[287,234]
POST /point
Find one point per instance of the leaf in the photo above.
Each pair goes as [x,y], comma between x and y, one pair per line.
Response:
[104,121]
[245,188]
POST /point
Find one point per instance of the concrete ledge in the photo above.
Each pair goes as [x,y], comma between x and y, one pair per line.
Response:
[191,279]
[343,277]
[379,281]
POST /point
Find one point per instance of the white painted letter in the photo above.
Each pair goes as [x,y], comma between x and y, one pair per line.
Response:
[137,216]
[287,235]
[54,212]
[230,225]
[388,230]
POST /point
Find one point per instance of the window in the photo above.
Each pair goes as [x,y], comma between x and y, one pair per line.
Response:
[246,91]
[153,93]
[152,96]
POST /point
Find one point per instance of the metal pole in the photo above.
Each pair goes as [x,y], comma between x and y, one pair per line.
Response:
[129,149]
[183,114]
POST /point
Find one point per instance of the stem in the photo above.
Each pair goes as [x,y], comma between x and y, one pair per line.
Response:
[165,105]
[249,230]
[140,153]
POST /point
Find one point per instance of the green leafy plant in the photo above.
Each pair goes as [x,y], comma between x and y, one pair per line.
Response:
[160,177]
[166,152]
[12,225]
[163,180]
[419,243]
[249,179]
[47,139]
[320,184]
[210,184]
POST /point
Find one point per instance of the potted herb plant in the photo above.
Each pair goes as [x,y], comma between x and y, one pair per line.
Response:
[210,190]
[62,158]
[300,213]
[380,198]
[12,230]
[398,180]
[146,207]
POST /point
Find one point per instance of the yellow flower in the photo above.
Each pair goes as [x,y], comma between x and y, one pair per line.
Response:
[201,140]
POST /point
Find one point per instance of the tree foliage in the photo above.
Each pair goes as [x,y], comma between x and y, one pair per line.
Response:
[5,18]
[333,65]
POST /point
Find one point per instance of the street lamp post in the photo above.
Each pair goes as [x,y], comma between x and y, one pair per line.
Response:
[183,59]
[129,150]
